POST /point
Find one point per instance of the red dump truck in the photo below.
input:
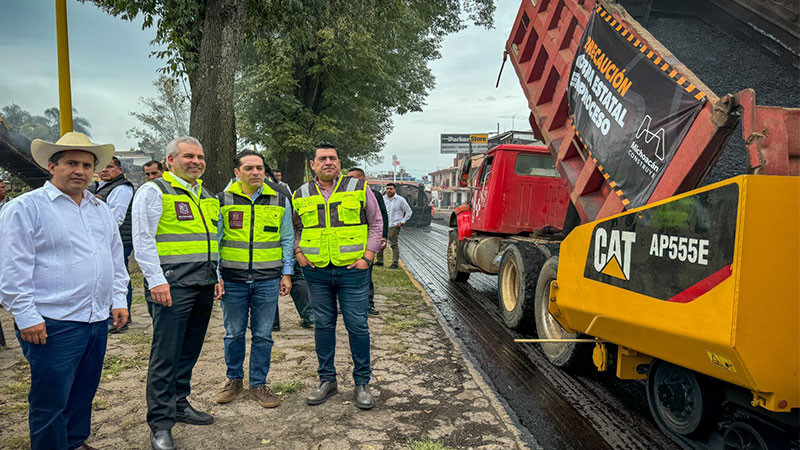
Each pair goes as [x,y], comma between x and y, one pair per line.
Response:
[601,235]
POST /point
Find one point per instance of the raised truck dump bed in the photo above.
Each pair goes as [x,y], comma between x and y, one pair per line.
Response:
[543,44]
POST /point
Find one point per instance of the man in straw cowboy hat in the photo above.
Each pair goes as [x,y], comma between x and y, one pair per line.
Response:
[61,270]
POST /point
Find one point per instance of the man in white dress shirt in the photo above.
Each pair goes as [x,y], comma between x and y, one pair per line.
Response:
[61,270]
[399,212]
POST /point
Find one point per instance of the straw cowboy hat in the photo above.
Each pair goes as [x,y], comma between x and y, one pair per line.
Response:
[42,150]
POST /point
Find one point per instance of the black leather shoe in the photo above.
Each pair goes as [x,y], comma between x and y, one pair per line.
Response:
[394,266]
[373,312]
[162,440]
[363,397]
[193,417]
[320,394]
[378,263]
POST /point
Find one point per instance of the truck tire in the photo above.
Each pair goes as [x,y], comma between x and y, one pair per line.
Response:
[455,258]
[564,354]
[516,285]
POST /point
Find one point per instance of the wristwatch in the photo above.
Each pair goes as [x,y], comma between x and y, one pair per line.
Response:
[368,261]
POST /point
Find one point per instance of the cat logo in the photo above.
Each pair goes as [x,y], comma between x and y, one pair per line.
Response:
[612,253]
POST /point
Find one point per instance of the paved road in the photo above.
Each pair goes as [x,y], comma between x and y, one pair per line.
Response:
[556,410]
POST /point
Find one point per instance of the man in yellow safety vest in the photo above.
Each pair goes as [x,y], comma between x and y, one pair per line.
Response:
[338,228]
[175,243]
[256,263]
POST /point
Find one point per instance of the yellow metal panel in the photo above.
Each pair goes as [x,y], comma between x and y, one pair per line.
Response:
[767,331]
[749,322]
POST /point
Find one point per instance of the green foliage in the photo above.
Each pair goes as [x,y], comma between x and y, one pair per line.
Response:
[337,70]
[165,117]
[46,127]
[427,444]
[287,387]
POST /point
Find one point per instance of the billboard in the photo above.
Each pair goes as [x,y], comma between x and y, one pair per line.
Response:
[460,143]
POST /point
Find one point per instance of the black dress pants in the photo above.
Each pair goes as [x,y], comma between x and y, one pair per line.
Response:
[178,334]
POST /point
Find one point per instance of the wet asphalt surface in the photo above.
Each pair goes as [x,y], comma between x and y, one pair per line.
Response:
[554,409]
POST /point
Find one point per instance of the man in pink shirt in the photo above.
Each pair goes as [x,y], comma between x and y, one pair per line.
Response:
[338,228]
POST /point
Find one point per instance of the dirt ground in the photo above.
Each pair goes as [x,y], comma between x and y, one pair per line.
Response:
[427,395]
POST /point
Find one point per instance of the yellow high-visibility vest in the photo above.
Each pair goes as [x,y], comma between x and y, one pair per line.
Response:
[186,237]
[251,243]
[334,232]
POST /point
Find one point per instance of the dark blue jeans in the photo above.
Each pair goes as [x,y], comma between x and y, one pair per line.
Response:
[65,373]
[350,287]
[259,301]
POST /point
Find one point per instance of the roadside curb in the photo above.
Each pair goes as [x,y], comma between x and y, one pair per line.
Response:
[474,372]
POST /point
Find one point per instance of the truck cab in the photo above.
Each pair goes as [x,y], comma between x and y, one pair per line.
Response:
[515,191]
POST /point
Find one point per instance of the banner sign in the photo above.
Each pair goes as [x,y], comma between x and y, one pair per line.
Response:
[630,109]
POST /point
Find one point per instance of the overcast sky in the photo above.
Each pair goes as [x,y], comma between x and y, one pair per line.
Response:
[112,68]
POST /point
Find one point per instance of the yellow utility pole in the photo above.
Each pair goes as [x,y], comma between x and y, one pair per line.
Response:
[64,88]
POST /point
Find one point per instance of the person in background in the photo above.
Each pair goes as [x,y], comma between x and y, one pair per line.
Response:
[153,169]
[399,212]
[175,242]
[3,194]
[117,192]
[299,293]
[256,264]
[61,271]
[359,174]
[278,177]
[335,247]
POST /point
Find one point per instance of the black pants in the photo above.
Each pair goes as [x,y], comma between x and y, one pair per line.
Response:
[178,334]
[371,295]
[300,297]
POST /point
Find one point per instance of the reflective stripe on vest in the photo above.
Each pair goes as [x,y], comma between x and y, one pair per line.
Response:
[334,232]
[251,231]
[186,234]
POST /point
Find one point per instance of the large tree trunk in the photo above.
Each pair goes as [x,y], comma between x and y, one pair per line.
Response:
[293,169]
[212,120]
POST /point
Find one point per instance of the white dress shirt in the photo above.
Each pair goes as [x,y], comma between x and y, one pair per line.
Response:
[118,200]
[145,215]
[397,209]
[60,260]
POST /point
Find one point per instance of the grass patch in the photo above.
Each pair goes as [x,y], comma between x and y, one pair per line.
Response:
[114,365]
[410,358]
[277,355]
[306,373]
[137,279]
[398,348]
[99,404]
[138,300]
[137,339]
[397,324]
[305,347]
[16,442]
[18,390]
[8,409]
[427,444]
[287,387]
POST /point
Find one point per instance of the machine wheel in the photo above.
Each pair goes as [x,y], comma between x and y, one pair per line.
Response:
[564,355]
[742,436]
[454,259]
[516,285]
[678,401]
